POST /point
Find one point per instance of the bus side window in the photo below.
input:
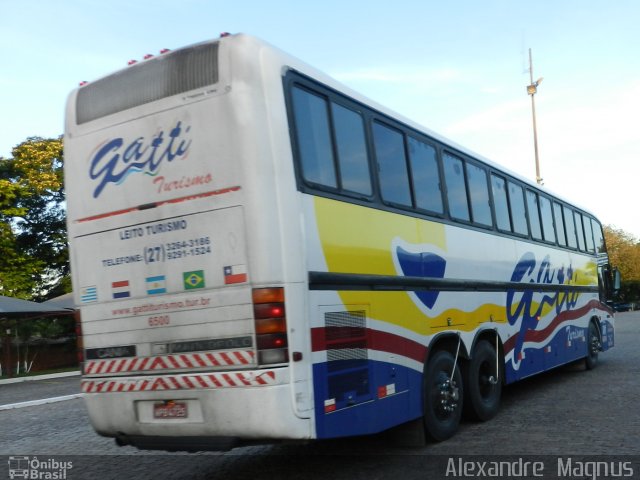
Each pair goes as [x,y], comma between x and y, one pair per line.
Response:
[314,138]
[598,237]
[547,220]
[588,232]
[499,190]
[425,176]
[479,193]
[534,215]
[456,189]
[580,231]
[571,227]
[352,150]
[392,164]
[518,213]
[557,213]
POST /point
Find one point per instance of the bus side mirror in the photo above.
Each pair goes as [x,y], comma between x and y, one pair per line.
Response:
[616,280]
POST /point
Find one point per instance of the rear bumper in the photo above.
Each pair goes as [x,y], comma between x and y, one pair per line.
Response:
[225,409]
[180,444]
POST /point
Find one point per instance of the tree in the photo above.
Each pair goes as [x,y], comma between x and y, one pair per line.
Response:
[34,259]
[624,253]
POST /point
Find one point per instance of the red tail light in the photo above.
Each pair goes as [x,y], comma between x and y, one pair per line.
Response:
[271,325]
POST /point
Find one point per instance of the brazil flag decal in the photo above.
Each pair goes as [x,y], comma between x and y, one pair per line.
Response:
[193,280]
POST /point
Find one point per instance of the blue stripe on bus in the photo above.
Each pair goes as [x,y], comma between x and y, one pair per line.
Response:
[348,402]
[359,409]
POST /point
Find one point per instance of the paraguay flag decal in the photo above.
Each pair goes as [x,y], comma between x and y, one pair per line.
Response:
[120,289]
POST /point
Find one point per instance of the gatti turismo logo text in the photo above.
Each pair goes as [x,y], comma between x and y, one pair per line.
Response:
[38,468]
[115,160]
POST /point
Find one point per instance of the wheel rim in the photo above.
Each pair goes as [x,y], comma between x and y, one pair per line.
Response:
[446,396]
[486,379]
[594,344]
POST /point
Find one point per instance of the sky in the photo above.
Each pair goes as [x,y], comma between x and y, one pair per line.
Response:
[458,67]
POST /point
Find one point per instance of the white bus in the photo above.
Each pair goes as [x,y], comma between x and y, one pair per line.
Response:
[262,254]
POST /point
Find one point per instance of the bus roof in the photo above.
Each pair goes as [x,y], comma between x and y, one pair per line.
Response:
[241,40]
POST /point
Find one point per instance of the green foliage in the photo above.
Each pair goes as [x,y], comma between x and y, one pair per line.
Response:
[629,291]
[33,249]
[45,327]
[624,253]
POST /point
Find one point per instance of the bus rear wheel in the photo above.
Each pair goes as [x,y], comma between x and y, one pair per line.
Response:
[483,387]
[593,347]
[443,393]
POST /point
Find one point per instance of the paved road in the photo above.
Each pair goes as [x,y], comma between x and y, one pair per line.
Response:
[566,412]
[38,389]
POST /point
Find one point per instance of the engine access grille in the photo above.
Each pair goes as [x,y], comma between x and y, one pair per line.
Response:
[347,355]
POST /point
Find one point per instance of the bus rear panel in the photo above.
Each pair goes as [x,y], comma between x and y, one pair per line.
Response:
[185,343]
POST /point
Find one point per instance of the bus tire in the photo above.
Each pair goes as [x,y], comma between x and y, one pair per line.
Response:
[483,385]
[442,397]
[593,347]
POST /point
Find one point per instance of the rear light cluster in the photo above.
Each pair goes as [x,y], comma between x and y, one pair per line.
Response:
[271,325]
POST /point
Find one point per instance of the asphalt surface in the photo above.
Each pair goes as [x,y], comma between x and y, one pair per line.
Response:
[569,412]
[38,389]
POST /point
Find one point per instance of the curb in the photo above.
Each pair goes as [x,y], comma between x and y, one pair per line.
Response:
[39,377]
[42,401]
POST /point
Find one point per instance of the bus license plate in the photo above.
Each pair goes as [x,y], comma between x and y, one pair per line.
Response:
[170,410]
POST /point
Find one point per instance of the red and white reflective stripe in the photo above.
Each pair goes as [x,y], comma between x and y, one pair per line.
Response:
[386,390]
[330,405]
[164,362]
[181,382]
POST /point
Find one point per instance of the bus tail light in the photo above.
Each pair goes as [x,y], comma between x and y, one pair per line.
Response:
[271,325]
